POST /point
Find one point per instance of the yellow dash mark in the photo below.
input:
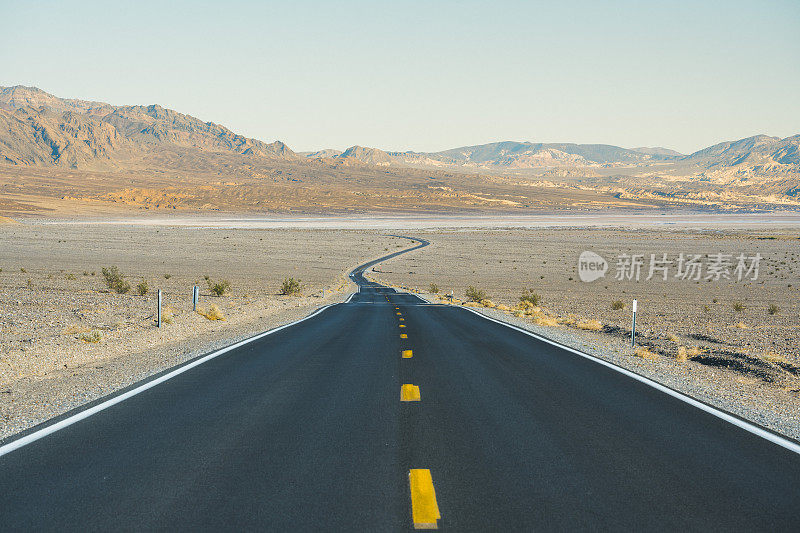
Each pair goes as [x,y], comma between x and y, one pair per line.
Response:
[403,336]
[409,393]
[397,308]
[399,313]
[402,325]
[407,354]
[424,509]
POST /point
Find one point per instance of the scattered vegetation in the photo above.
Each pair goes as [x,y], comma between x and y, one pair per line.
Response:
[92,337]
[167,276]
[773,309]
[70,276]
[115,280]
[218,288]
[590,325]
[681,357]
[475,295]
[530,297]
[23,270]
[644,353]
[290,286]
[167,315]
[617,305]
[142,288]
[212,313]
[30,283]
[433,289]
[738,307]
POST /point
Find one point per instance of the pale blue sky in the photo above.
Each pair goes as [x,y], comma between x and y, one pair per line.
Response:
[426,75]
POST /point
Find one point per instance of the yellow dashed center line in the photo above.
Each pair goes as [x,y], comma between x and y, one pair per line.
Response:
[424,509]
[402,325]
[408,354]
[399,313]
[409,393]
[402,319]
[403,336]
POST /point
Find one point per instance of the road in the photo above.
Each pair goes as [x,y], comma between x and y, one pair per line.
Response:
[304,429]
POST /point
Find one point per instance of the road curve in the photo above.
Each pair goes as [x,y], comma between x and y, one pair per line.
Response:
[304,429]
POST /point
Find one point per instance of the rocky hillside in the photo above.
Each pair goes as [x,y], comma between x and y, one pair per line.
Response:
[37,128]
[520,155]
[759,151]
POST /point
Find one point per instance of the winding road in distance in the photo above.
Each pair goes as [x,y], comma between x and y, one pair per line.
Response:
[386,413]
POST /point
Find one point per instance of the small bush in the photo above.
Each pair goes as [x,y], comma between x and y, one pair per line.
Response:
[617,305]
[738,307]
[91,337]
[167,315]
[22,270]
[681,357]
[590,325]
[773,309]
[529,297]
[212,313]
[115,280]
[30,283]
[433,289]
[644,353]
[290,286]
[70,276]
[167,276]
[219,288]
[475,295]
[741,325]
[142,288]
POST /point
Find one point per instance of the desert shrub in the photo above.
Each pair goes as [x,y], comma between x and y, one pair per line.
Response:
[22,270]
[741,325]
[290,286]
[644,353]
[529,297]
[91,337]
[681,357]
[70,276]
[590,325]
[30,283]
[219,288]
[773,309]
[142,288]
[475,295]
[115,280]
[212,313]
[672,337]
[738,307]
[167,276]
[167,315]
[617,305]
[433,289]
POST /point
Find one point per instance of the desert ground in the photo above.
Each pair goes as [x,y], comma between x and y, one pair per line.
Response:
[733,343]
[67,339]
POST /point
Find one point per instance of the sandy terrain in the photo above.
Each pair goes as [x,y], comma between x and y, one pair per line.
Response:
[747,355]
[55,301]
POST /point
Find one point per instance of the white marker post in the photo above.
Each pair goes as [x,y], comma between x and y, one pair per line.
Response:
[195,297]
[159,308]
[633,329]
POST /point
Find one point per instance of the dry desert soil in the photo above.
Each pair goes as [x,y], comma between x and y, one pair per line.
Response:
[66,339]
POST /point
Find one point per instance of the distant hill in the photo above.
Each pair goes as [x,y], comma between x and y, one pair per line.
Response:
[520,155]
[756,151]
[37,128]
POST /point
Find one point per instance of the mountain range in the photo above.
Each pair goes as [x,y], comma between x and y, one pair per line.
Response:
[37,128]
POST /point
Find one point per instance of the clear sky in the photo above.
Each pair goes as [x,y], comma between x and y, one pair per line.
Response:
[426,75]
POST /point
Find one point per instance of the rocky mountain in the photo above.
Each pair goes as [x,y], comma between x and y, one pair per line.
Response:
[759,151]
[37,128]
[521,155]
[353,155]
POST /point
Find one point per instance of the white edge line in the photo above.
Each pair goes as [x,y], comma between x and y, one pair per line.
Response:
[747,426]
[36,435]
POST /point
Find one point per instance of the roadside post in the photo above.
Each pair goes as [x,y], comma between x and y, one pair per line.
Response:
[633,328]
[159,308]
[195,297]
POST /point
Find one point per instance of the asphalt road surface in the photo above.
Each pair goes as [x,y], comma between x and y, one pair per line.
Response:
[304,429]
